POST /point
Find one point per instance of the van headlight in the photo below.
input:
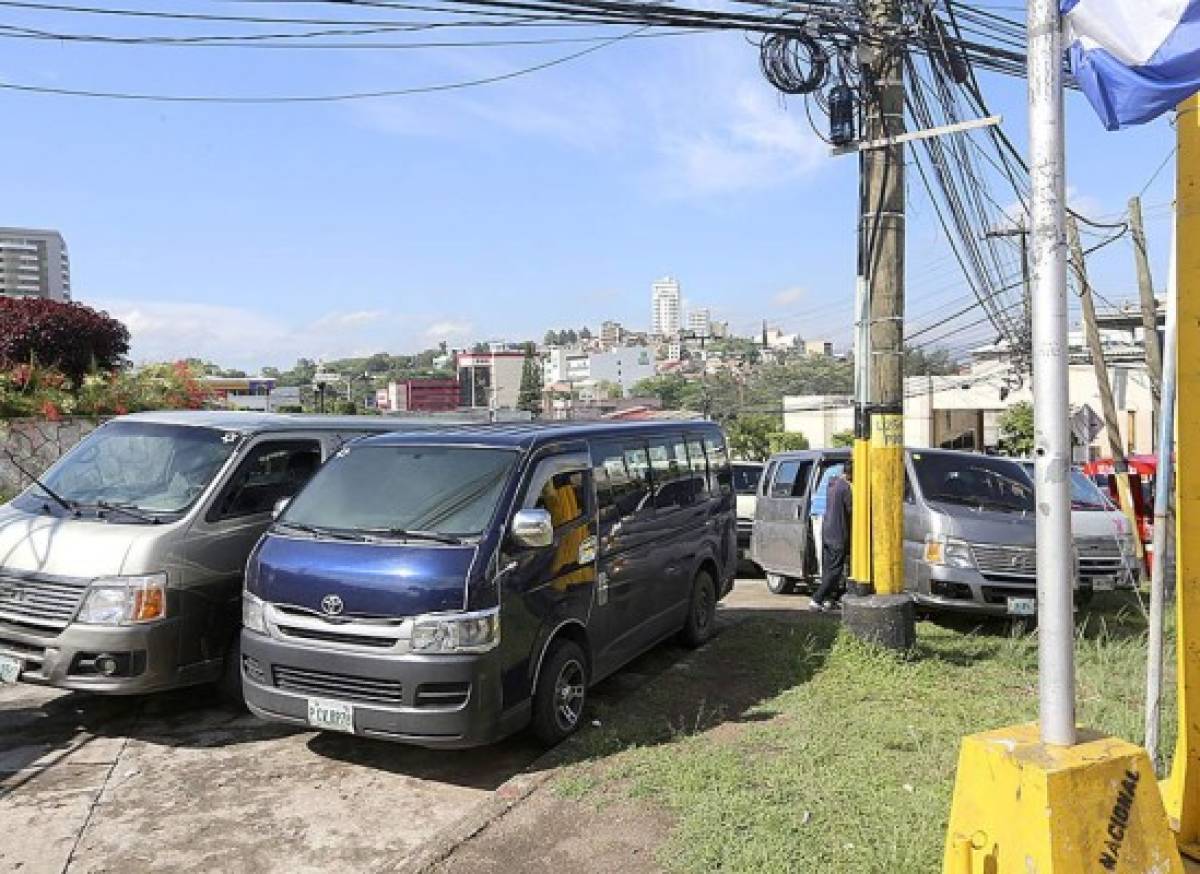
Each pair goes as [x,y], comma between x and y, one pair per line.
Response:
[948,551]
[252,613]
[457,632]
[125,600]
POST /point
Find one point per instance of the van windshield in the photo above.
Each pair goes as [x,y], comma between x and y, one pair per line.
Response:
[1085,494]
[746,477]
[404,491]
[143,467]
[978,481]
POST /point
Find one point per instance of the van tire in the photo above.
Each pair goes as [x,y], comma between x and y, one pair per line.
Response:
[702,612]
[556,712]
[778,584]
[229,684]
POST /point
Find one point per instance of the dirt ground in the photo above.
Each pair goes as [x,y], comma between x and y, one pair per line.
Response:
[176,782]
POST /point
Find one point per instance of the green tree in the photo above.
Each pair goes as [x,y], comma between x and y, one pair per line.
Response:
[552,338]
[843,439]
[529,396]
[935,362]
[669,388]
[1016,429]
[784,441]
[750,435]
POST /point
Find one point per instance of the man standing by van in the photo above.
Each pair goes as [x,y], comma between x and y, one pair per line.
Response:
[835,542]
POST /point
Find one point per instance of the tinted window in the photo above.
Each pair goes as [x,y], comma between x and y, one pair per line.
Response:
[446,490]
[271,471]
[564,497]
[699,464]
[719,476]
[670,472]
[622,480]
[791,479]
[745,478]
[974,481]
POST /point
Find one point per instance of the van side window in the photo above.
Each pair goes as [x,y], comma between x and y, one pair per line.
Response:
[272,470]
[622,479]
[791,479]
[669,473]
[564,497]
[720,475]
[699,465]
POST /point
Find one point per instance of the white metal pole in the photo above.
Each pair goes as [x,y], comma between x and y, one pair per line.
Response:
[1162,516]
[1052,434]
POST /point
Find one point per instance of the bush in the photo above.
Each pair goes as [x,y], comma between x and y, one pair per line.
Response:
[28,390]
[68,337]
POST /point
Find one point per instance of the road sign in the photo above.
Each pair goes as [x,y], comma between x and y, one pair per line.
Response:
[1086,424]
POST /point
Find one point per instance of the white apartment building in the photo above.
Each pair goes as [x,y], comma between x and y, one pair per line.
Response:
[699,322]
[624,366]
[34,263]
[665,307]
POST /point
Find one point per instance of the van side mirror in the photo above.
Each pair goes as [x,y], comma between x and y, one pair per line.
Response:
[533,528]
[279,507]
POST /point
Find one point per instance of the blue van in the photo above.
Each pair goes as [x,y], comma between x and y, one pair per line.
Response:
[449,587]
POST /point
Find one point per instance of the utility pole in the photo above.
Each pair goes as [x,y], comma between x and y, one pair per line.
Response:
[887,616]
[1154,362]
[1021,232]
[1108,405]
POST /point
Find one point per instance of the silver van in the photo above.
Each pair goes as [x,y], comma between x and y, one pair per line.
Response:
[968,527]
[122,571]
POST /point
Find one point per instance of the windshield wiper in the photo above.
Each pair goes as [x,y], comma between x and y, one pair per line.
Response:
[127,509]
[321,532]
[50,493]
[412,534]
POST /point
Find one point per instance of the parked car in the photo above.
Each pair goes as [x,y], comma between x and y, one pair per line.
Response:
[447,588]
[1106,554]
[746,475]
[1143,476]
[121,572]
[968,527]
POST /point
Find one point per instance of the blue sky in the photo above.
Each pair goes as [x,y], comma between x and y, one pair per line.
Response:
[253,235]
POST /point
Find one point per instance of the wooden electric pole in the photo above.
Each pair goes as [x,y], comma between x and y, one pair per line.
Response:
[1108,405]
[1149,304]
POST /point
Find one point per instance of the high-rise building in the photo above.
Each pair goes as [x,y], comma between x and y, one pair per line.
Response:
[665,307]
[34,264]
[699,322]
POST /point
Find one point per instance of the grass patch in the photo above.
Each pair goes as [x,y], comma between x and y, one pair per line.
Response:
[840,758]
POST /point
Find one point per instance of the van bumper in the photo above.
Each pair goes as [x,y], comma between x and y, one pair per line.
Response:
[446,701]
[966,590]
[147,657]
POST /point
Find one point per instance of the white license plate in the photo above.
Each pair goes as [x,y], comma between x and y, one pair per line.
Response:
[330,715]
[10,669]
[1104,584]
[1022,606]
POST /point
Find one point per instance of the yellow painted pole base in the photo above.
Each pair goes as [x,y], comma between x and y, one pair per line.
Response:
[1021,807]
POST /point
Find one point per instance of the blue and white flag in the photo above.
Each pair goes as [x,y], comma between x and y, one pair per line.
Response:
[1134,59]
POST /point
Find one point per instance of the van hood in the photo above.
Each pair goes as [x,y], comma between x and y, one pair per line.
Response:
[70,547]
[1099,523]
[984,526]
[372,579]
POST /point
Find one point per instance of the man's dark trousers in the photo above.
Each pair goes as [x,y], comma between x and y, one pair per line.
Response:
[833,573]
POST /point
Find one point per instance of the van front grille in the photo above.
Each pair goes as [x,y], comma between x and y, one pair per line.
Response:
[336,637]
[1005,563]
[39,601]
[341,686]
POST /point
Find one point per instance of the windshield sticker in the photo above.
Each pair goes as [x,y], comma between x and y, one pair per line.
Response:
[230,437]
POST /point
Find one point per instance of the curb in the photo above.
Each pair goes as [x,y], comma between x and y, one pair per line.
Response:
[504,798]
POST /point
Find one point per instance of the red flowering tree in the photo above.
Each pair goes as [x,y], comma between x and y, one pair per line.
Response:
[71,338]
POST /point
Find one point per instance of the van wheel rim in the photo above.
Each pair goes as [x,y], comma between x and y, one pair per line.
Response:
[569,693]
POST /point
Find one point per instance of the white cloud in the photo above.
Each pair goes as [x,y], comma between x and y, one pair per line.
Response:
[250,339]
[697,120]
[789,296]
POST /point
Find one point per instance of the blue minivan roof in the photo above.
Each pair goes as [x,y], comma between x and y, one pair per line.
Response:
[529,435]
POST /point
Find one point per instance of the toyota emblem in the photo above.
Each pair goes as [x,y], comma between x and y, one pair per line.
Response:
[332,605]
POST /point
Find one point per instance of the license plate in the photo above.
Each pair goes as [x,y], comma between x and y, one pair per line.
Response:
[10,669]
[1022,606]
[1104,584]
[330,715]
